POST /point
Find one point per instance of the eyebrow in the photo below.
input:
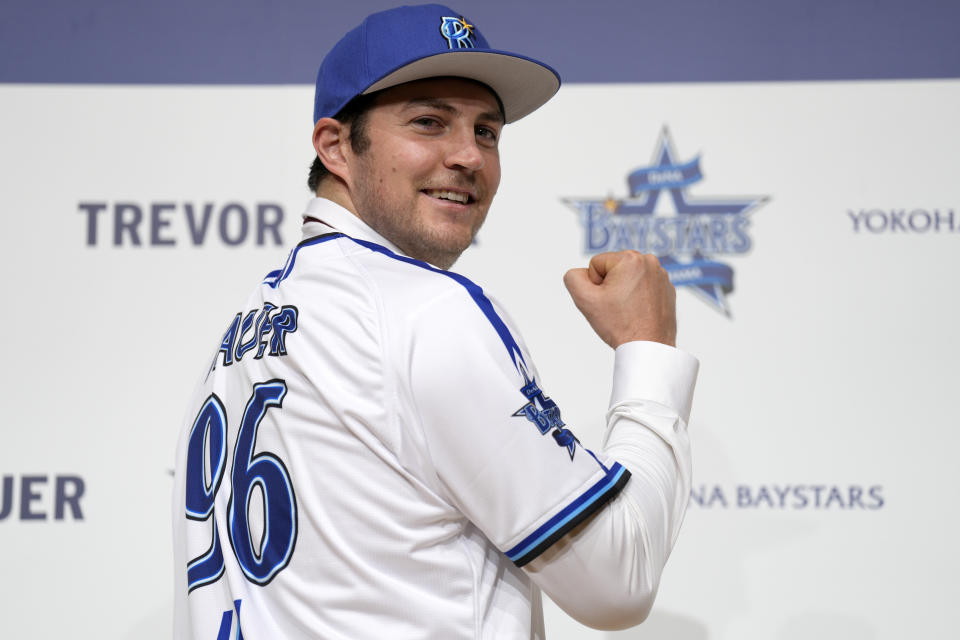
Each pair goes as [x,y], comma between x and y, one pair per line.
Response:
[440,105]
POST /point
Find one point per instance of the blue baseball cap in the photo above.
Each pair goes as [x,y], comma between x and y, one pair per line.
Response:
[413,43]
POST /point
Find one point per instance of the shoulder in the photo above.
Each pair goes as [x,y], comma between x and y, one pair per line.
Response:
[412,297]
[440,302]
[415,286]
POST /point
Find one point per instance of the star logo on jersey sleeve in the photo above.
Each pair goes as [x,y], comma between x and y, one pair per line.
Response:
[545,415]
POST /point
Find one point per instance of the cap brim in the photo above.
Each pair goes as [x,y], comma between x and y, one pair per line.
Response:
[522,84]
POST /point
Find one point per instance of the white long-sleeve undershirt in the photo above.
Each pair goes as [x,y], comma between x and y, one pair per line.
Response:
[606,572]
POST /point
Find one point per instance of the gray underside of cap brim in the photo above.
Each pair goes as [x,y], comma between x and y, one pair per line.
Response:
[522,85]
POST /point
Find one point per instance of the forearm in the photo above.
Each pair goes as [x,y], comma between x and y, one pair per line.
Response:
[606,573]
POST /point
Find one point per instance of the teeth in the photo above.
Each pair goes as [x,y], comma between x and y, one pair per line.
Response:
[456,196]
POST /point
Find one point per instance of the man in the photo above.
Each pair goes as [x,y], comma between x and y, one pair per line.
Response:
[370,453]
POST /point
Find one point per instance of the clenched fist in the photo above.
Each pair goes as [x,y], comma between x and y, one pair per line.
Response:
[625,296]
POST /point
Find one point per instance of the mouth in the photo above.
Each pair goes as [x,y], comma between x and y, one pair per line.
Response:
[459,197]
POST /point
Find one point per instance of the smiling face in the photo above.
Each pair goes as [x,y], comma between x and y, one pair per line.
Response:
[432,167]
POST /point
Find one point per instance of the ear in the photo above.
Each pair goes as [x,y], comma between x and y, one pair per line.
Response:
[330,140]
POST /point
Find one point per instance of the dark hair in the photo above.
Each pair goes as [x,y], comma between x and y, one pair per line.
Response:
[353,115]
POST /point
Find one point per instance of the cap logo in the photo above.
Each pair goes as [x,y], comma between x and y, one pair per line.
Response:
[458,32]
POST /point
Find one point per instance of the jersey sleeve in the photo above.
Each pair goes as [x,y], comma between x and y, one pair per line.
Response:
[496,439]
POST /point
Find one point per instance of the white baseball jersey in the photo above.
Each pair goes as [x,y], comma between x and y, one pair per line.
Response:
[371,455]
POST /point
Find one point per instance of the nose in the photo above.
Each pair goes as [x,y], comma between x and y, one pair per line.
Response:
[464,152]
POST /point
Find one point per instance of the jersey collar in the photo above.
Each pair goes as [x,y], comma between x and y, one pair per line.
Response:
[337,218]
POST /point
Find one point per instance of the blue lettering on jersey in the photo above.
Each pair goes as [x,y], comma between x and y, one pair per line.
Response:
[265,331]
[545,414]
[226,622]
[260,557]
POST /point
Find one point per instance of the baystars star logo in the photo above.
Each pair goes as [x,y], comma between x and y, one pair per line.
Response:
[545,414]
[685,240]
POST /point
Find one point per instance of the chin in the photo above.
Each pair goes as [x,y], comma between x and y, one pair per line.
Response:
[440,256]
[445,259]
[446,251]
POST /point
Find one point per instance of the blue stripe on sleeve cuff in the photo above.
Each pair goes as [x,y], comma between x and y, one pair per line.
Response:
[572,515]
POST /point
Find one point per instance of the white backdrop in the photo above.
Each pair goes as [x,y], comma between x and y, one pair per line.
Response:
[823,424]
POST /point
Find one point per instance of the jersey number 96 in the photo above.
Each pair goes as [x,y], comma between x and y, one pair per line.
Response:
[260,560]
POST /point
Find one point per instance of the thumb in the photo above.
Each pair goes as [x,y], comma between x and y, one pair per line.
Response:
[601,264]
